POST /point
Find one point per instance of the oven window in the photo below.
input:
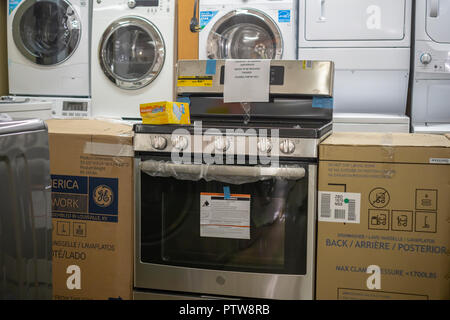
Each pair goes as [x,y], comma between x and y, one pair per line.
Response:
[170,226]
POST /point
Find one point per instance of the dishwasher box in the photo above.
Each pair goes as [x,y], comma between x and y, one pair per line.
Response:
[383,217]
[91,165]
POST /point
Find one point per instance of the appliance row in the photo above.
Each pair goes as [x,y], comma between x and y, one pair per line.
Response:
[103,59]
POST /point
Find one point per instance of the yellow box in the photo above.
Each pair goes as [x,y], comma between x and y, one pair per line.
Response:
[165,113]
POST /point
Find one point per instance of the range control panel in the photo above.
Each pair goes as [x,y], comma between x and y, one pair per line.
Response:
[230,146]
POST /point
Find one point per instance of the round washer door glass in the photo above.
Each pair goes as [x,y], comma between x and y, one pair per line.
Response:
[245,34]
[46,32]
[132,53]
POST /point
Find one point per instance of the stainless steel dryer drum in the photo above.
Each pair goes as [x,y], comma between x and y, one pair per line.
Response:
[288,77]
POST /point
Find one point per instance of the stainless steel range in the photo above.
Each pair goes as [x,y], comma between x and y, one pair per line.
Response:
[226,207]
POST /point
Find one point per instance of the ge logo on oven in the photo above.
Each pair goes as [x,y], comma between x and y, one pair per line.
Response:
[103,196]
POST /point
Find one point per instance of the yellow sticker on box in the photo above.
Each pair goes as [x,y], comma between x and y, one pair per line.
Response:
[195,81]
[165,113]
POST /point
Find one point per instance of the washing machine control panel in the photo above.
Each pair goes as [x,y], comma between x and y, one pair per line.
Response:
[151,6]
[432,60]
[72,108]
[144,3]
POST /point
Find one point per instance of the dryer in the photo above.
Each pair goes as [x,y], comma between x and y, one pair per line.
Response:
[48,47]
[369,41]
[430,108]
[248,29]
[133,55]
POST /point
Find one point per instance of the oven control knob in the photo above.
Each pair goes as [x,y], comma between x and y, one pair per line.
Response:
[264,145]
[180,143]
[159,143]
[287,146]
[131,4]
[222,144]
[426,58]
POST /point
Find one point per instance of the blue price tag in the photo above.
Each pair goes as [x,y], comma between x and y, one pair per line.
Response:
[323,103]
[210,67]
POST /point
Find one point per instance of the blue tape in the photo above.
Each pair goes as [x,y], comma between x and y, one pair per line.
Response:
[323,103]
[226,191]
[210,67]
[184,100]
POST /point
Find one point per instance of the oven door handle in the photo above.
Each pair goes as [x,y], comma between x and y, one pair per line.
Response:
[173,169]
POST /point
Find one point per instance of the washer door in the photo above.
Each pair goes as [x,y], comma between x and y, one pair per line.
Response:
[132,52]
[245,34]
[46,32]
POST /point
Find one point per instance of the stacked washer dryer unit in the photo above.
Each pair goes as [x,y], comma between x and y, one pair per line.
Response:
[248,29]
[48,53]
[430,111]
[133,55]
[369,41]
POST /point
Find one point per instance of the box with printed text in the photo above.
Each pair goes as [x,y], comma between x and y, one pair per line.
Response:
[384,217]
[91,165]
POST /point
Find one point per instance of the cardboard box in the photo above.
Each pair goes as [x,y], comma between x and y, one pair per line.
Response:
[91,163]
[384,217]
[165,112]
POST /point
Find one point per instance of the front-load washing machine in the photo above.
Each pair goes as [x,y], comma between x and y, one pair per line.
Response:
[369,42]
[48,47]
[133,55]
[26,108]
[248,29]
[430,107]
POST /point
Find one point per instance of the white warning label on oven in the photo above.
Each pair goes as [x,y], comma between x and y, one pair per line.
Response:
[339,207]
[225,215]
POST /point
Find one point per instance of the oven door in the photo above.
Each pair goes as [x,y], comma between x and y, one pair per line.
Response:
[241,231]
